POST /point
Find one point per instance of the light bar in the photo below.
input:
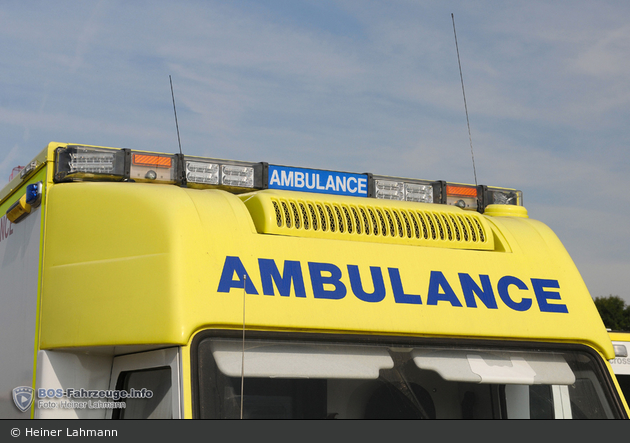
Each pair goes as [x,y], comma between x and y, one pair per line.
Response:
[88,163]
[77,162]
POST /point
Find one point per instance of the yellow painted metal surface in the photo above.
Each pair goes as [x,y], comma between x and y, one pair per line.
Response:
[619,336]
[131,263]
[506,211]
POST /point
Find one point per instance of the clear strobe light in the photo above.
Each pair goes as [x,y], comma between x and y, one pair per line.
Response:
[94,162]
[84,162]
[233,175]
[413,191]
[502,196]
[389,190]
[202,173]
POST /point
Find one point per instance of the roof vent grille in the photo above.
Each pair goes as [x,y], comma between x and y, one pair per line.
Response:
[322,216]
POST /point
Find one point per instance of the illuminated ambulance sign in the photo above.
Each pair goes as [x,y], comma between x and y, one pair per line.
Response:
[320,181]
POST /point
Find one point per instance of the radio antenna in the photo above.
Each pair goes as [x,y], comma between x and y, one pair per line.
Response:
[464,94]
[175,111]
[243,352]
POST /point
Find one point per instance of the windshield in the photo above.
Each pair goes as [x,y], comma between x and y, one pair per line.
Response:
[305,380]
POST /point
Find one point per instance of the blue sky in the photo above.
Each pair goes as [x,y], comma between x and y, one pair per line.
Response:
[359,86]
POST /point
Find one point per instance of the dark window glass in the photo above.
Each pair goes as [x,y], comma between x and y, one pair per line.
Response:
[158,406]
[305,380]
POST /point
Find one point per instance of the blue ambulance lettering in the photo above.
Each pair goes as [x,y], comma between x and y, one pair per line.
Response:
[399,292]
[542,296]
[377,282]
[440,289]
[484,293]
[326,274]
[232,266]
[369,285]
[312,180]
[292,273]
[524,304]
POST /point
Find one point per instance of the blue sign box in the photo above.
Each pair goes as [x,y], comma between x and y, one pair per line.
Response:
[315,180]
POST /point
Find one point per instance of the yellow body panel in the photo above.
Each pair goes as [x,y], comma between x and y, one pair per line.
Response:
[130,263]
[619,336]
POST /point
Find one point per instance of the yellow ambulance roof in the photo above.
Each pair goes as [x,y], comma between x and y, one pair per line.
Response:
[132,263]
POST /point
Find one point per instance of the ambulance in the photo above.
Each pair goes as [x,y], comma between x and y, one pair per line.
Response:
[149,285]
[621,363]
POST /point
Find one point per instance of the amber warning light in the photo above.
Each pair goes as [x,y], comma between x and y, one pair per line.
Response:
[156,161]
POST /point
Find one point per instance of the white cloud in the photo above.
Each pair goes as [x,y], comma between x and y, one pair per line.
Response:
[607,56]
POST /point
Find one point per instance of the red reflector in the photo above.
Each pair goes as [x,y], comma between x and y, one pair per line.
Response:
[157,161]
[461,191]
